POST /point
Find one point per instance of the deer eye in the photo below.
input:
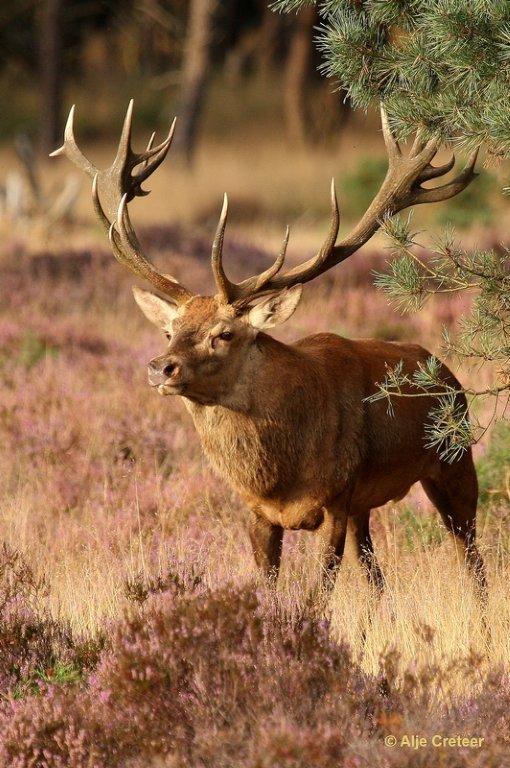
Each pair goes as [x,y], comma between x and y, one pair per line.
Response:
[226,336]
[169,336]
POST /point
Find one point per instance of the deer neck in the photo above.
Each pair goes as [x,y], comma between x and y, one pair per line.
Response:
[246,438]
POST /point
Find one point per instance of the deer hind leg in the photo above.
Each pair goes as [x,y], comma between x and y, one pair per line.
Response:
[360,526]
[455,494]
[266,541]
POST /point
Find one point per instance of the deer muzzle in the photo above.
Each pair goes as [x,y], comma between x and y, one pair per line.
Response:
[166,374]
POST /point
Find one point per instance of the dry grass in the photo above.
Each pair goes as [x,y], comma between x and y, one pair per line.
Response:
[87,557]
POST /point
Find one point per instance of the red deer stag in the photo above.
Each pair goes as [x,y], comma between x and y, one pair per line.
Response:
[288,425]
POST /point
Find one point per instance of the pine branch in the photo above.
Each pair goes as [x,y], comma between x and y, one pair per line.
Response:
[440,64]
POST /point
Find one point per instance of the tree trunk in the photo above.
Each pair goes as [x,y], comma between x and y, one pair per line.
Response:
[297,72]
[196,70]
[270,29]
[51,72]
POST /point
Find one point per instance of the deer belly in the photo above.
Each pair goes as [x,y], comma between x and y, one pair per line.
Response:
[293,517]
[376,491]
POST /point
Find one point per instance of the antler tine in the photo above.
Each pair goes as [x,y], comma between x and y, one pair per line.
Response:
[71,150]
[452,188]
[150,145]
[124,151]
[117,252]
[392,145]
[110,228]
[226,289]
[255,287]
[153,157]
[106,222]
[268,274]
[132,256]
[432,172]
[418,143]
[98,207]
[333,229]
[112,233]
[152,150]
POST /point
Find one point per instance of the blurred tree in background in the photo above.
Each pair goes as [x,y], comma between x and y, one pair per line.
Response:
[196,71]
[51,70]
[440,67]
[168,52]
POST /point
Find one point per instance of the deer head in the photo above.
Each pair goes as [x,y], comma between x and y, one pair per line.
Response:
[213,339]
[210,343]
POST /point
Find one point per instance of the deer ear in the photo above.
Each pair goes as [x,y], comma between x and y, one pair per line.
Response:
[158,311]
[275,309]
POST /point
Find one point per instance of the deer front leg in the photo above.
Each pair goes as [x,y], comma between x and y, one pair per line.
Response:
[332,532]
[266,541]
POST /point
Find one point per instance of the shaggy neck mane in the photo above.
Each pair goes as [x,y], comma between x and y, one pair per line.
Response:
[250,439]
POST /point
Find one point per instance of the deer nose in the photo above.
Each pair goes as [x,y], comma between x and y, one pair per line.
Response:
[161,370]
[170,369]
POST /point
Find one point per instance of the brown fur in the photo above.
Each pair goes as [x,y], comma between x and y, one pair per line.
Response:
[289,428]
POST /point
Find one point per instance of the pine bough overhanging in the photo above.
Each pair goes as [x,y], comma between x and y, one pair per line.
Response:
[442,64]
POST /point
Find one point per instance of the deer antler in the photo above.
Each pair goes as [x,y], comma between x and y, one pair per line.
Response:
[115,187]
[401,188]
[120,178]
[229,291]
